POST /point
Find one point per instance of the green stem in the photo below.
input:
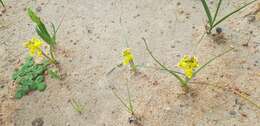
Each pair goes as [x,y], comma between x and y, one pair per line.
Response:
[201,38]
[164,67]
[230,14]
[216,13]
[53,61]
[52,55]
[211,60]
[133,66]
[160,69]
[2,3]
[130,100]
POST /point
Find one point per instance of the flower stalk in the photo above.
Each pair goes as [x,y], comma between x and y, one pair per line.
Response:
[188,64]
[128,59]
[44,34]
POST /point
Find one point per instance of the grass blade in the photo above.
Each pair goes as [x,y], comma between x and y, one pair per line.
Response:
[206,8]
[121,100]
[230,14]
[129,100]
[216,13]
[1,1]
[42,35]
[211,60]
[33,16]
[76,106]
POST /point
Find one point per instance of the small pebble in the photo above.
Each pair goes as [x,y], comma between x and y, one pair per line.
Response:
[37,122]
[219,30]
[39,9]
[245,44]
[232,112]
[251,18]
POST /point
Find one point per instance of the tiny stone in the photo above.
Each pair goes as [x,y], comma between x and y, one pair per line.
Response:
[219,30]
[39,9]
[37,122]
[245,44]
[232,112]
[89,31]
[251,18]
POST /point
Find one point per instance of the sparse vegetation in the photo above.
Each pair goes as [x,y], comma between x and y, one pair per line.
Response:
[213,20]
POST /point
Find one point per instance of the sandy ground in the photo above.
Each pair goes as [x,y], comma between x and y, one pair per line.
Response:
[90,42]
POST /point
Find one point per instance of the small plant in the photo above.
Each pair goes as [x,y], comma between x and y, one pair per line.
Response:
[128,106]
[29,77]
[190,66]
[42,31]
[76,106]
[212,19]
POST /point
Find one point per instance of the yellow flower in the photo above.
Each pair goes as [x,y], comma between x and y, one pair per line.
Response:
[128,56]
[188,64]
[34,46]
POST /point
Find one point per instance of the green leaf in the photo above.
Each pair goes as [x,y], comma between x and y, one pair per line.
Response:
[38,69]
[19,94]
[33,16]
[216,13]
[206,8]
[40,28]
[44,37]
[1,1]
[54,33]
[25,89]
[39,79]
[230,14]
[41,86]
[15,75]
[54,74]
[29,62]
[43,30]
[29,77]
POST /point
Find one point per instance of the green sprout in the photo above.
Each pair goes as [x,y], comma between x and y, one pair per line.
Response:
[42,31]
[187,64]
[29,77]
[76,106]
[212,19]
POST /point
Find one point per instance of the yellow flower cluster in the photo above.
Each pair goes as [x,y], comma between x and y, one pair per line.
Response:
[188,64]
[34,46]
[128,56]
